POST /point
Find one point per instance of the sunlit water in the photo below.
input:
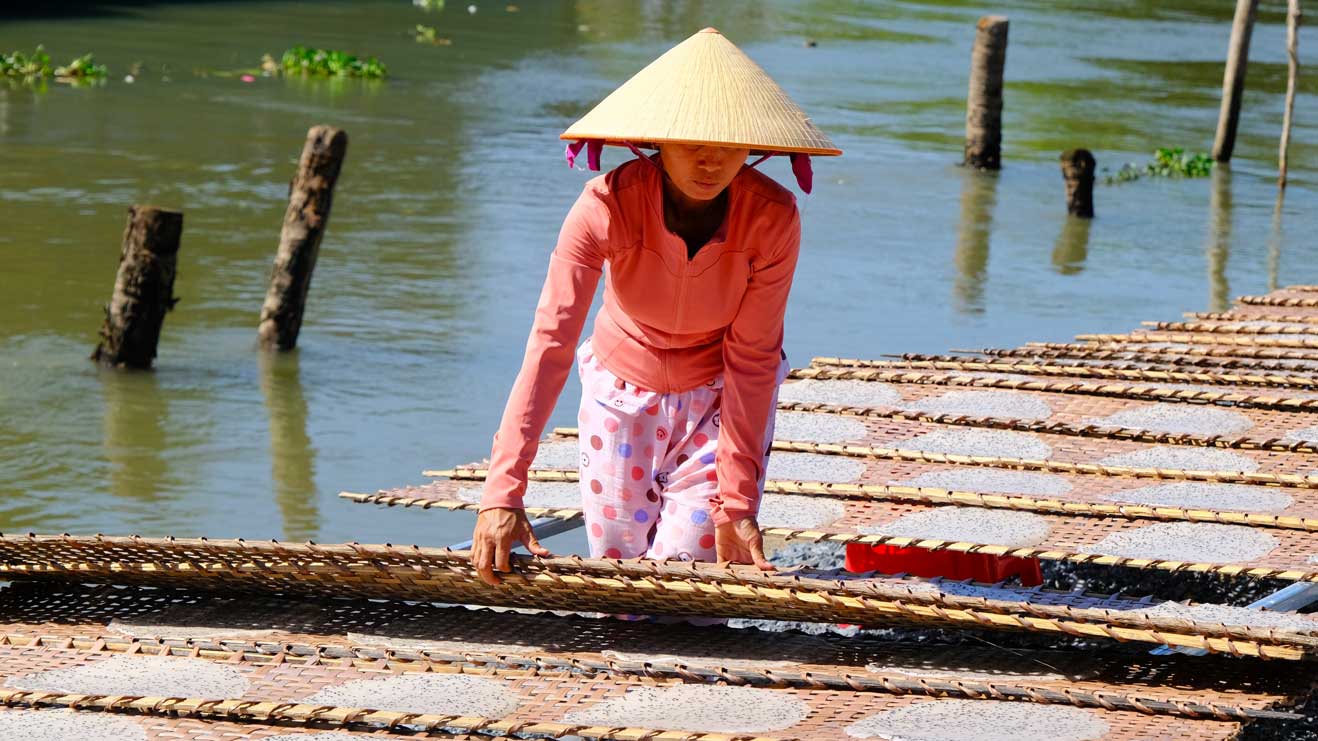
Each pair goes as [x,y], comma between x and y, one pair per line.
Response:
[453,190]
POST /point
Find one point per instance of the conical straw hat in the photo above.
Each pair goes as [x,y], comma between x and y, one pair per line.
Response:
[703,91]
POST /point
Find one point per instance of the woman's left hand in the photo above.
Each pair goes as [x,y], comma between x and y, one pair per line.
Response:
[740,541]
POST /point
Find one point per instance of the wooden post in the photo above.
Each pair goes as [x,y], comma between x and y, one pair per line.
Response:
[1233,81]
[984,103]
[1078,172]
[1292,75]
[309,199]
[143,288]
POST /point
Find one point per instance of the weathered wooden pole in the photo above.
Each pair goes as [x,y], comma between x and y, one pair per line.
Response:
[1233,80]
[1292,77]
[1078,172]
[984,102]
[309,199]
[143,288]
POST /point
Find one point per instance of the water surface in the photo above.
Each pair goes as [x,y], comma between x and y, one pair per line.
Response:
[454,188]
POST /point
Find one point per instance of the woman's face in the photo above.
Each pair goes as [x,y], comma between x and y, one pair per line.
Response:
[701,172]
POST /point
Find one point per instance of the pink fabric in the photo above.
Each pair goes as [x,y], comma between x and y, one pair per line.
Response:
[805,174]
[669,324]
[648,472]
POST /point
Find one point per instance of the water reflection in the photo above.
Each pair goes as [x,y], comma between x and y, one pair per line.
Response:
[135,438]
[1275,236]
[1072,247]
[1219,238]
[292,456]
[979,196]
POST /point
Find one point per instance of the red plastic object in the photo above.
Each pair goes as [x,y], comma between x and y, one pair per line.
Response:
[889,559]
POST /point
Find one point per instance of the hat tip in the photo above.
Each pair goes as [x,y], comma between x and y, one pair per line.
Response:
[709,29]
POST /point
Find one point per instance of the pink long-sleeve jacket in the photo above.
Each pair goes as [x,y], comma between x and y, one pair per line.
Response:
[668,324]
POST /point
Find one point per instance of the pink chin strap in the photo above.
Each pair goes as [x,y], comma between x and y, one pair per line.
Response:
[805,176]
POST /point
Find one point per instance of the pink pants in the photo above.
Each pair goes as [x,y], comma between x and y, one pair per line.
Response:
[647,465]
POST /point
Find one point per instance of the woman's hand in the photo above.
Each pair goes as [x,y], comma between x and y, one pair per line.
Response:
[740,541]
[497,531]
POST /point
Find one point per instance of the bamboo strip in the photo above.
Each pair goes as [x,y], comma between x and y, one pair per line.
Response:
[1078,371]
[396,660]
[1120,390]
[1212,356]
[331,717]
[1227,328]
[1145,347]
[1277,301]
[1124,360]
[1227,316]
[1200,338]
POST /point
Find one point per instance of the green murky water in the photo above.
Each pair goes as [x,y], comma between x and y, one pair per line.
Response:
[454,187]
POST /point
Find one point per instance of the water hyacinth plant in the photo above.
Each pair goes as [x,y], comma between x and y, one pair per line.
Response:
[329,63]
[37,65]
[430,35]
[1167,162]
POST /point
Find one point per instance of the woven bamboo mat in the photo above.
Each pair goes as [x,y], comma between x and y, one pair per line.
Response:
[887,421]
[921,482]
[887,441]
[1270,383]
[634,587]
[56,722]
[1259,458]
[554,705]
[1243,397]
[1054,411]
[1259,552]
[410,637]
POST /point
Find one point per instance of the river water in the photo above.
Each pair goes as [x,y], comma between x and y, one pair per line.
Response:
[454,187]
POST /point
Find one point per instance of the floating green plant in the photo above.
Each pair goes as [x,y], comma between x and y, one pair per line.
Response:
[37,65]
[329,63]
[1170,163]
[430,35]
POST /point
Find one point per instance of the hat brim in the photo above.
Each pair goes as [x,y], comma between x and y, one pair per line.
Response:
[653,143]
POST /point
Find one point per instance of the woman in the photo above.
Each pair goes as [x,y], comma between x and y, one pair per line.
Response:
[681,373]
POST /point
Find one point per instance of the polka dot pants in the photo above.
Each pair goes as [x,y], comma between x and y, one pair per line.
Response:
[647,465]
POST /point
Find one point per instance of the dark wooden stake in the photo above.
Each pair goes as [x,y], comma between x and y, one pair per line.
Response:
[309,199]
[1078,172]
[984,103]
[143,288]
[1233,80]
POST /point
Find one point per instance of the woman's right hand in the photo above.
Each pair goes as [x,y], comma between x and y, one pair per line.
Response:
[497,532]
